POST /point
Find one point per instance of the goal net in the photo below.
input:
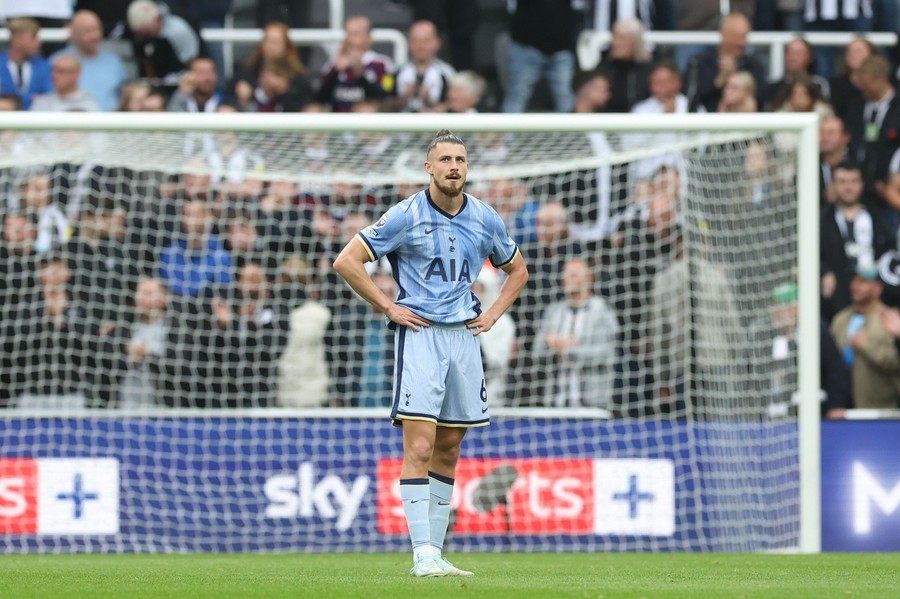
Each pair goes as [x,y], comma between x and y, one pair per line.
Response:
[183,370]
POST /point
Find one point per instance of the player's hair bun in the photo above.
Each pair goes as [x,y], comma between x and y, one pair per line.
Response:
[444,136]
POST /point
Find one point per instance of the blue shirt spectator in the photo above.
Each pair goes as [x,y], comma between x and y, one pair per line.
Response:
[198,259]
[188,270]
[22,69]
[102,71]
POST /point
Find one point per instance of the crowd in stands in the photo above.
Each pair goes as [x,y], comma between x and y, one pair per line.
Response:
[213,288]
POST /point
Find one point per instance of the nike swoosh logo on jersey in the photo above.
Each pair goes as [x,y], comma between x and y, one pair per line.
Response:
[484,409]
[430,231]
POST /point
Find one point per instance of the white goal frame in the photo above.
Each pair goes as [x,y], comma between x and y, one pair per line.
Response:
[805,125]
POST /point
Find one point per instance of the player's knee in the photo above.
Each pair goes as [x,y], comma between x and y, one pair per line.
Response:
[419,450]
[447,455]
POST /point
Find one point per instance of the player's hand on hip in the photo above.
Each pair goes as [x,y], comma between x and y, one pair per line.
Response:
[406,317]
[481,324]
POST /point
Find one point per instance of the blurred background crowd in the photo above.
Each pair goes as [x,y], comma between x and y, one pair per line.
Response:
[212,287]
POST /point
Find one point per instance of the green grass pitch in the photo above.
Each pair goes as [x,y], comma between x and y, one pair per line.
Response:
[518,575]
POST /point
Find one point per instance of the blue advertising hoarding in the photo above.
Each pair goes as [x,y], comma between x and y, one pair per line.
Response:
[861,485]
[327,485]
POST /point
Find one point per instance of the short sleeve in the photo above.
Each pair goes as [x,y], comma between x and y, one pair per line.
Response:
[504,248]
[386,234]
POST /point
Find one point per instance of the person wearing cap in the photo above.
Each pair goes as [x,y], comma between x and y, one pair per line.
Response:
[867,347]
[772,355]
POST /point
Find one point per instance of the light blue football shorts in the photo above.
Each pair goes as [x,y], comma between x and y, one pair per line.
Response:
[439,377]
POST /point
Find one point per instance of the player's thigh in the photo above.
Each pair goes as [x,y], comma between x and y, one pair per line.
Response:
[419,382]
[465,400]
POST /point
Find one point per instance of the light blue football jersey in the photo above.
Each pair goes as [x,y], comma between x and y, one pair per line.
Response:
[435,256]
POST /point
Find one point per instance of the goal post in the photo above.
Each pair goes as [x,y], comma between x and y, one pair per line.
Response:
[681,392]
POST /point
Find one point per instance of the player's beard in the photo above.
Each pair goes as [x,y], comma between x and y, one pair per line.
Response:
[447,190]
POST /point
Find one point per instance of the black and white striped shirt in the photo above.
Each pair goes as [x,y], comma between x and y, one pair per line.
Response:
[833,10]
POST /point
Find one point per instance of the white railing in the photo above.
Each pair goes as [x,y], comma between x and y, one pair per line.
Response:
[329,39]
[590,43]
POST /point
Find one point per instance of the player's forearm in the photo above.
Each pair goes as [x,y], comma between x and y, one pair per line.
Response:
[354,272]
[356,276]
[512,287]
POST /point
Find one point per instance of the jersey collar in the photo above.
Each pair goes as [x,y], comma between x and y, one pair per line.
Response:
[445,213]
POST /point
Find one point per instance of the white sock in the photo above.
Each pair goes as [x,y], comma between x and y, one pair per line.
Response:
[414,492]
[441,489]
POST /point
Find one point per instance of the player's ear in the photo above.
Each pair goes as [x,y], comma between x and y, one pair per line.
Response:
[428,167]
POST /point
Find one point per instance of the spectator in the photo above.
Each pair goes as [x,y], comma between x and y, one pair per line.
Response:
[202,14]
[245,244]
[709,72]
[545,258]
[235,169]
[698,15]
[867,347]
[665,98]
[421,84]
[739,93]
[497,345]
[112,13]
[799,62]
[66,95]
[133,95]
[697,333]
[627,65]
[54,331]
[47,13]
[465,93]
[843,86]
[654,15]
[778,15]
[102,71]
[890,321]
[834,148]
[36,198]
[576,344]
[515,205]
[142,345]
[454,20]
[249,334]
[772,341]
[874,123]
[197,88]
[543,40]
[198,259]
[275,45]
[589,196]
[804,95]
[850,234]
[163,43]
[19,264]
[357,73]
[104,273]
[22,69]
[593,94]
[156,101]
[849,15]
[279,89]
[643,245]
[302,370]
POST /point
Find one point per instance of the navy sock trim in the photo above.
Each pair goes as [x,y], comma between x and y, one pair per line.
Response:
[413,481]
[444,479]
